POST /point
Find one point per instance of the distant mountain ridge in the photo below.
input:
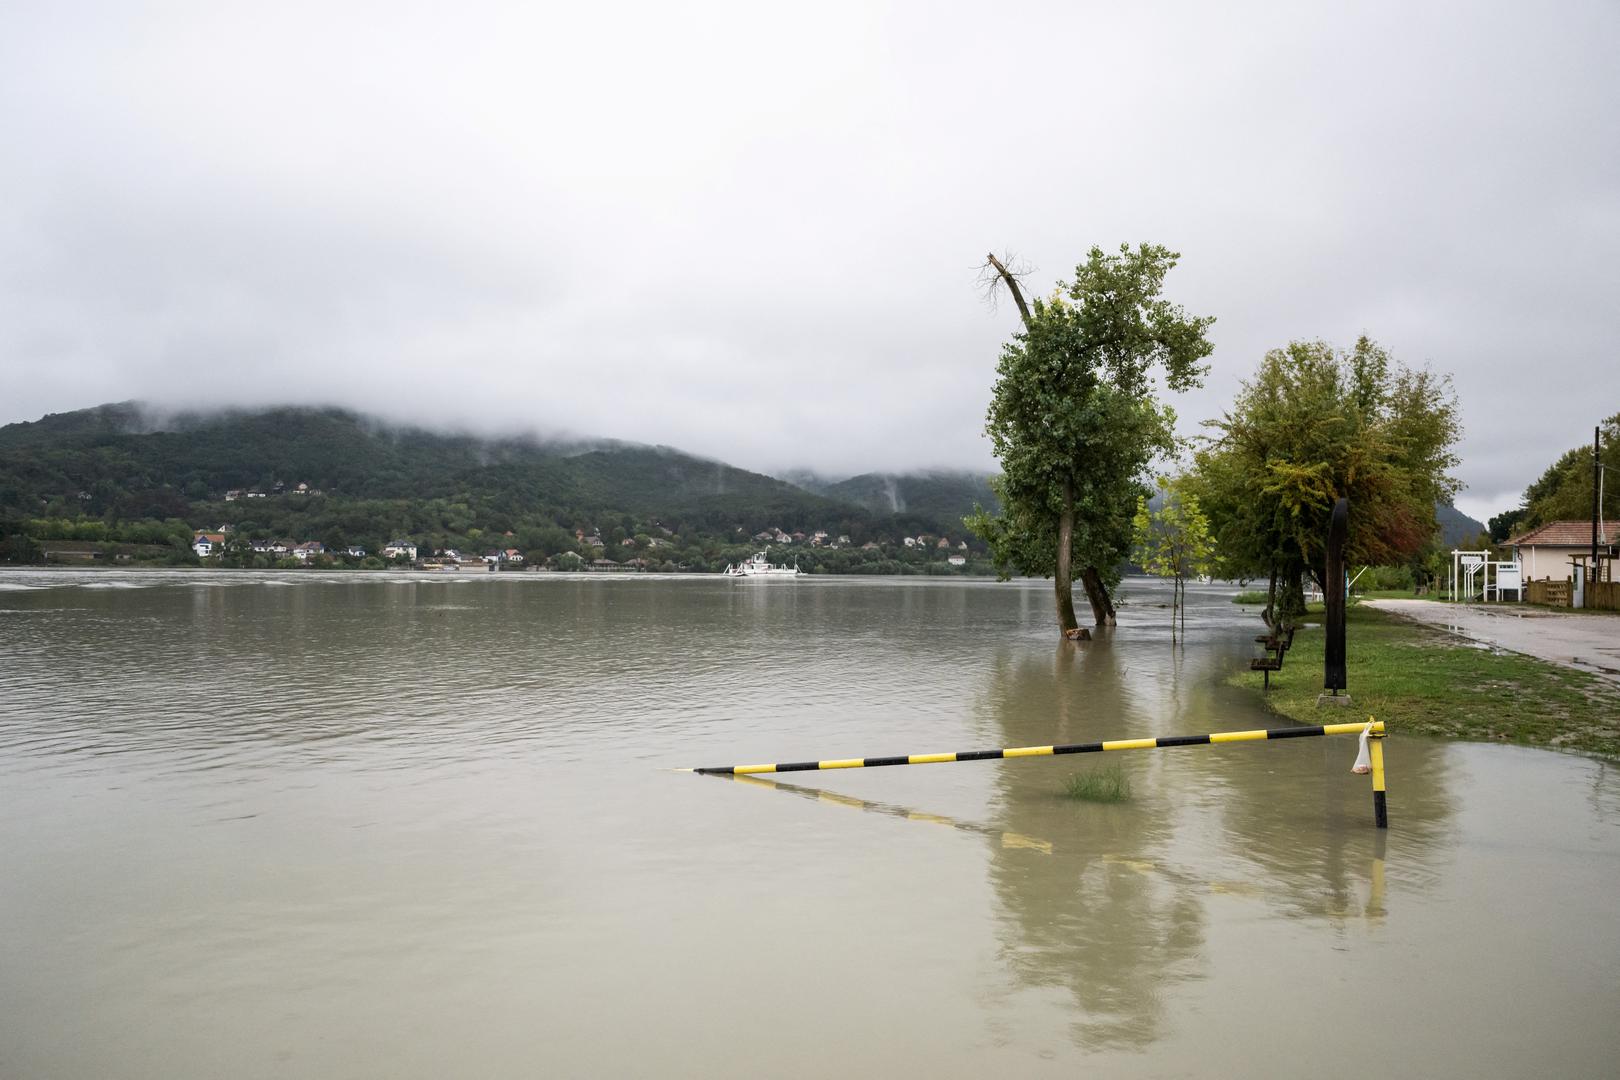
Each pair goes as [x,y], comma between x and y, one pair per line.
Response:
[1456,527]
[135,461]
[930,492]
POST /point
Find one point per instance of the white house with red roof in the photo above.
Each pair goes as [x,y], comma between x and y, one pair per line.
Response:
[1545,552]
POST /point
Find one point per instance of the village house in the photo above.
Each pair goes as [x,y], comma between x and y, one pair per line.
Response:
[911,541]
[870,545]
[356,552]
[207,543]
[943,545]
[957,560]
[512,555]
[1546,552]
[397,548]
[308,550]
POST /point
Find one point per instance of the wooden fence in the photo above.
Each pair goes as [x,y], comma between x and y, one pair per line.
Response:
[1549,592]
[1604,595]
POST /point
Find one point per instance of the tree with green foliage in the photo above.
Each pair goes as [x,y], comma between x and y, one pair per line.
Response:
[1312,425]
[1506,524]
[1564,491]
[1074,421]
[1173,541]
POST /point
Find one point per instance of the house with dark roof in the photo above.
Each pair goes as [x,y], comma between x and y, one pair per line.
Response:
[1545,552]
[207,543]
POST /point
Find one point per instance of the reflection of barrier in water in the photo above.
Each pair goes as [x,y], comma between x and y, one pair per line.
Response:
[1008,839]
[1372,909]
[1375,728]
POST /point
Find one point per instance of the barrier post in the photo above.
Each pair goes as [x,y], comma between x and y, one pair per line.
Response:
[1375,749]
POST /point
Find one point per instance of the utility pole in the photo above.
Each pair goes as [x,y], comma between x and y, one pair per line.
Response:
[1597,486]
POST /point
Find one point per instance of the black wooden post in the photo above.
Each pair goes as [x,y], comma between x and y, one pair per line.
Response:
[1333,675]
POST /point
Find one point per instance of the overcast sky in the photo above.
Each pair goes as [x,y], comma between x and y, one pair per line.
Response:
[752,231]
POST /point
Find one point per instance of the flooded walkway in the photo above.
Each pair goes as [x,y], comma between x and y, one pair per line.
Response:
[1588,642]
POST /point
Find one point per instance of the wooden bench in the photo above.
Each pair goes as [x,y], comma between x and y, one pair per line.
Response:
[1276,642]
[1277,645]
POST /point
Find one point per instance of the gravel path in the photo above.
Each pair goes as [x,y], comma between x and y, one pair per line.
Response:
[1586,642]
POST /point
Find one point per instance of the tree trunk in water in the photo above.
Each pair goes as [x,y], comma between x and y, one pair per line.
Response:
[1063,579]
[1270,614]
[1102,608]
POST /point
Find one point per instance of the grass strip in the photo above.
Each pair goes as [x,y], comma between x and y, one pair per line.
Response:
[1420,679]
[1108,784]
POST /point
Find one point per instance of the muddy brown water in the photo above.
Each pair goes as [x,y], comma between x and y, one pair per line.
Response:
[340,825]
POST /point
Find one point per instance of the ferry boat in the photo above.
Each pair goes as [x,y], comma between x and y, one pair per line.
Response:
[758,566]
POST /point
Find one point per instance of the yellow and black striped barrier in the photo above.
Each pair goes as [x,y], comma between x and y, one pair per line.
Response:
[1375,727]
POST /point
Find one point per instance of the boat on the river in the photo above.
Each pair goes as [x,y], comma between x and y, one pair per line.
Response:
[758,565]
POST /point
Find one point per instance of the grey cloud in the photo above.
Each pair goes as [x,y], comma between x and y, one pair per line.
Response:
[753,233]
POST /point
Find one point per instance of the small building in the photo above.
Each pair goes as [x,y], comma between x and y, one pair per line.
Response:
[512,555]
[911,541]
[306,551]
[356,552]
[1546,552]
[397,548]
[957,560]
[206,544]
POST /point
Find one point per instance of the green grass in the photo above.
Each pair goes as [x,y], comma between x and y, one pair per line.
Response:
[1423,680]
[1108,784]
[1253,596]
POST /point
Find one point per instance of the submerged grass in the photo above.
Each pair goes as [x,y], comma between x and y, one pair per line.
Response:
[1419,679]
[1107,784]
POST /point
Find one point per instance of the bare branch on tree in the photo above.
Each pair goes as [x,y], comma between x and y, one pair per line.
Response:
[1007,272]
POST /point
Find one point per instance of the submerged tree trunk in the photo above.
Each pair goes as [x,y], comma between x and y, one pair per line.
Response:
[1063,580]
[1102,607]
[1270,614]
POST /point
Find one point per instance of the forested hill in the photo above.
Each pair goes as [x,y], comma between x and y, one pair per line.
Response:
[935,493]
[1456,527]
[124,462]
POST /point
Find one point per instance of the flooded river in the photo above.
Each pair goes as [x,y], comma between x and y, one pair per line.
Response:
[342,825]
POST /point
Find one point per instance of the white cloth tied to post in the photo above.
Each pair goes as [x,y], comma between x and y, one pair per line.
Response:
[1363,763]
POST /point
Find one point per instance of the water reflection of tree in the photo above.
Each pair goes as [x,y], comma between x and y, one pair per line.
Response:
[1100,919]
